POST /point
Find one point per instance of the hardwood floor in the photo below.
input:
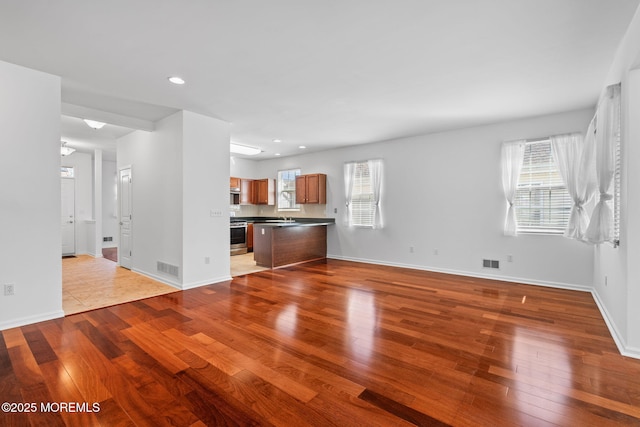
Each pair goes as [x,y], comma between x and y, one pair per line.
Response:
[328,343]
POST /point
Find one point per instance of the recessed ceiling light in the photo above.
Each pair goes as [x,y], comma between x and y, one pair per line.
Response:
[93,124]
[302,147]
[277,154]
[243,149]
[277,140]
[176,80]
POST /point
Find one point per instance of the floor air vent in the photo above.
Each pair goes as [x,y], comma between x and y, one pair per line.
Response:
[490,263]
[168,268]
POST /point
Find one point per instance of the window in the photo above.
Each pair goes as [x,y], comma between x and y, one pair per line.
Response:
[614,204]
[67,172]
[362,185]
[542,202]
[287,190]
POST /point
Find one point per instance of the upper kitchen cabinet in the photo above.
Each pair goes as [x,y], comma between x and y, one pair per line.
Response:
[264,191]
[311,188]
[246,192]
[234,183]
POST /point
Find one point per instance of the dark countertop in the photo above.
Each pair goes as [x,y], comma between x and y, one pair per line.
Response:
[277,221]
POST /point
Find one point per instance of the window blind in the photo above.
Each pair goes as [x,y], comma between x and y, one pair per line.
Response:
[615,202]
[362,199]
[542,202]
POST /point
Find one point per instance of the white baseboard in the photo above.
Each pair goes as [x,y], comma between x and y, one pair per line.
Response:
[157,278]
[180,286]
[206,282]
[618,338]
[15,323]
[544,283]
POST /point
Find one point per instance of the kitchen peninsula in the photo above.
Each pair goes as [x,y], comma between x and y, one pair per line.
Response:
[277,243]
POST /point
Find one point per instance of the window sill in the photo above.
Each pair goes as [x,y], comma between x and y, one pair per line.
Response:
[541,233]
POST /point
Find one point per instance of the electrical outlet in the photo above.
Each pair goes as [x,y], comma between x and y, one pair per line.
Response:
[410,249]
[509,258]
[207,260]
[9,290]
[435,252]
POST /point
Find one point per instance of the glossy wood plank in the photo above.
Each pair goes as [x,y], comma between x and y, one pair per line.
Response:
[329,343]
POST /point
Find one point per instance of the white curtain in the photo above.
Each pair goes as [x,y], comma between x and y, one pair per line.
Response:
[512,156]
[608,117]
[574,157]
[375,172]
[349,177]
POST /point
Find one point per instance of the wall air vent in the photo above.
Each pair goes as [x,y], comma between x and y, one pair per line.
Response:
[491,263]
[107,239]
[172,270]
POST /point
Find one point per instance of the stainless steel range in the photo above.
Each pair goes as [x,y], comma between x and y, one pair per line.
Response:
[238,237]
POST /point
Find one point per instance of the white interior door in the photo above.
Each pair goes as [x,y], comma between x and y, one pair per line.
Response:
[68,216]
[124,198]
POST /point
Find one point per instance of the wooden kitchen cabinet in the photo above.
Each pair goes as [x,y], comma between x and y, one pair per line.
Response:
[264,191]
[311,188]
[246,192]
[250,237]
[234,182]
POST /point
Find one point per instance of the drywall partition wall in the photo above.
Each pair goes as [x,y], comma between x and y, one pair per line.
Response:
[109,203]
[616,270]
[30,196]
[83,170]
[155,159]
[632,222]
[205,200]
[442,196]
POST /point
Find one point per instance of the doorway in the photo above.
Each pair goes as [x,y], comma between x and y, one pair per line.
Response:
[68,217]
[124,197]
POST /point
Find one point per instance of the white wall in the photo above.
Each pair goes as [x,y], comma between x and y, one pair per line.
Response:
[619,296]
[30,196]
[83,169]
[443,191]
[205,192]
[155,159]
[110,226]
[180,174]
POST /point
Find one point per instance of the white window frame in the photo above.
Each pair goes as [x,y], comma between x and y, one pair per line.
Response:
[362,203]
[287,190]
[614,204]
[554,207]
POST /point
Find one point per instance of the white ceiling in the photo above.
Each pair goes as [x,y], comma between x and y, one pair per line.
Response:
[317,73]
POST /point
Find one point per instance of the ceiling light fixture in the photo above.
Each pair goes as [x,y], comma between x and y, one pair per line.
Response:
[277,154]
[243,149]
[302,147]
[277,140]
[176,80]
[93,124]
[64,150]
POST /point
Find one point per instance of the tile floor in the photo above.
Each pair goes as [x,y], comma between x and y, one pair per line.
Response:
[89,283]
